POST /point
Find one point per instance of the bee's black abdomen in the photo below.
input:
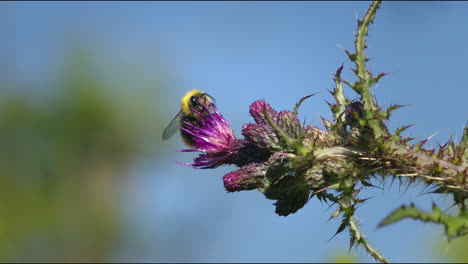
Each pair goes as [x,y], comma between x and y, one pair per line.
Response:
[187,137]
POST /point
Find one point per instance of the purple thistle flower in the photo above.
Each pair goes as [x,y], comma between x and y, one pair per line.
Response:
[214,134]
[214,138]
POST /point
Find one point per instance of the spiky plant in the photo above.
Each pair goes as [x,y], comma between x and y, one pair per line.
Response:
[292,163]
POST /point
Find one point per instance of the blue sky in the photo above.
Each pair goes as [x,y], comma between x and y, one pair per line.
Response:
[240,52]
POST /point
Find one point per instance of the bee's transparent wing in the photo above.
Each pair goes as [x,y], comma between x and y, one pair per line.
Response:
[172,127]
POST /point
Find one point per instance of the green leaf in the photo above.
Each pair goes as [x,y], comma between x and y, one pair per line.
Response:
[343,225]
[455,226]
[380,75]
[393,107]
[399,130]
[338,92]
[298,104]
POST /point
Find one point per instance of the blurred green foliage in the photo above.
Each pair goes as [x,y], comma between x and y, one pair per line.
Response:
[342,257]
[62,158]
[457,250]
[454,251]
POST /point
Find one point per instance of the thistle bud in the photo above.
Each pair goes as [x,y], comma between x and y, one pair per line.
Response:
[257,109]
[261,135]
[248,177]
[314,177]
[289,123]
[353,113]
[313,136]
[279,165]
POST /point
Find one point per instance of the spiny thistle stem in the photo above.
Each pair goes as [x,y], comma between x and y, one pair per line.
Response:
[355,232]
[347,208]
[366,80]
[361,58]
[363,30]
[422,159]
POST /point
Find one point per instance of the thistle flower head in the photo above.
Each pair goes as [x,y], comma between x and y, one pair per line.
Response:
[272,158]
[212,136]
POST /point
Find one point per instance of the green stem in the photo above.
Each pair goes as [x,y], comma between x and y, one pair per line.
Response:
[422,160]
[361,240]
[363,73]
[365,77]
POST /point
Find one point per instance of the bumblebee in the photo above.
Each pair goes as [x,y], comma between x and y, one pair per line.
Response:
[195,99]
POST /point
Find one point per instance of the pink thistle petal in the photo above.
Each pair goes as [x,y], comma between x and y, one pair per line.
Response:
[214,138]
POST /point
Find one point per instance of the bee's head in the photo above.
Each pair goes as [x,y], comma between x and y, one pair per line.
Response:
[195,99]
